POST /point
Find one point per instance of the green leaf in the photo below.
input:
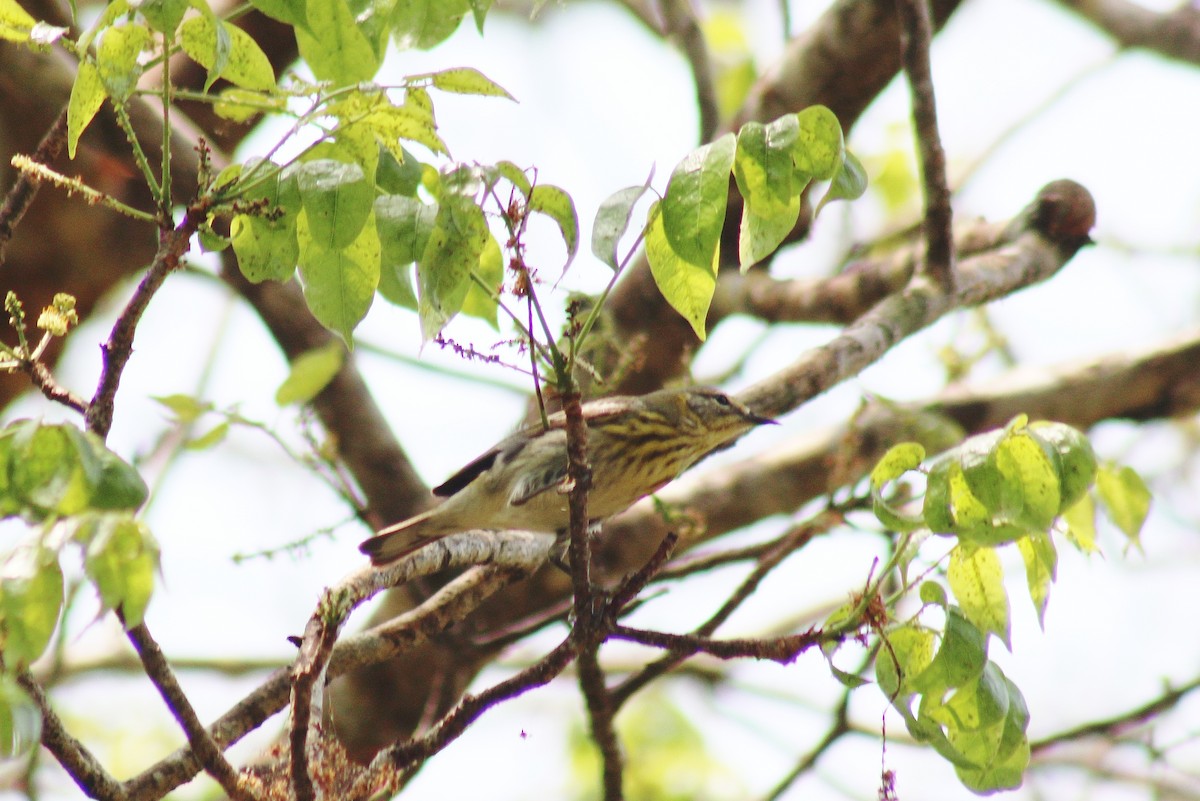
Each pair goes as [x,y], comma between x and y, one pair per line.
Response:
[1080,521]
[478,302]
[50,473]
[121,557]
[20,719]
[1076,459]
[397,174]
[479,10]
[209,439]
[556,204]
[228,52]
[688,287]
[87,95]
[164,16]
[767,180]
[1125,498]
[612,221]
[959,659]
[515,176]
[411,121]
[15,24]
[121,486]
[1041,567]
[290,12]
[849,183]
[425,23]
[895,463]
[1000,751]
[337,201]
[339,284]
[117,58]
[693,210]
[819,148]
[452,250]
[977,581]
[907,652]
[1031,488]
[31,599]
[336,49]
[310,373]
[404,225]
[466,81]
[266,249]
[184,408]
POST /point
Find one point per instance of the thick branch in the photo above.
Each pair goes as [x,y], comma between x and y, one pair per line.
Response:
[1175,34]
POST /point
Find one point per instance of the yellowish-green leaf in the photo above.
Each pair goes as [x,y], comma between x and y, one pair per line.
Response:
[1080,520]
[1125,497]
[977,581]
[15,24]
[1041,565]
[339,284]
[20,719]
[693,210]
[121,559]
[479,302]
[336,50]
[118,58]
[467,81]
[31,598]
[686,286]
[556,204]
[184,408]
[337,200]
[310,373]
[228,52]
[819,148]
[452,251]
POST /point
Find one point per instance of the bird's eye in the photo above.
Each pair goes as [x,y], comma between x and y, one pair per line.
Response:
[722,400]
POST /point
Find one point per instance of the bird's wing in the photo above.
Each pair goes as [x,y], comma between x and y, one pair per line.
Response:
[468,473]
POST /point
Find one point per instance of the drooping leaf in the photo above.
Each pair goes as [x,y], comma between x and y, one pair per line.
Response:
[977,581]
[452,250]
[310,373]
[15,23]
[612,221]
[339,283]
[693,209]
[87,95]
[337,201]
[1125,498]
[336,49]
[404,225]
[556,204]
[687,287]
[118,58]
[31,600]
[121,557]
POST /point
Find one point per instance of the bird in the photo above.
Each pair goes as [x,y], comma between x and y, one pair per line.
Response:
[635,445]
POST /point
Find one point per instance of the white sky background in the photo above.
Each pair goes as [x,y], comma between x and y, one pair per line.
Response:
[600,102]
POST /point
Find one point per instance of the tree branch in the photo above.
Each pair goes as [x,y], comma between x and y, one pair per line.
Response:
[679,19]
[83,768]
[201,742]
[25,188]
[915,40]
[1175,33]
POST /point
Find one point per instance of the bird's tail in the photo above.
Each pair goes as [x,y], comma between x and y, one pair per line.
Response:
[401,539]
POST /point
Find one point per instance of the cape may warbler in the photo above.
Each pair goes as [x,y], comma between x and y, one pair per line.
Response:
[635,446]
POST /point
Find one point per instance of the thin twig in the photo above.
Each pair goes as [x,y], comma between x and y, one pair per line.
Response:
[916,36]
[797,538]
[160,674]
[83,768]
[783,650]
[1120,723]
[838,729]
[25,188]
[471,707]
[119,347]
[39,373]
